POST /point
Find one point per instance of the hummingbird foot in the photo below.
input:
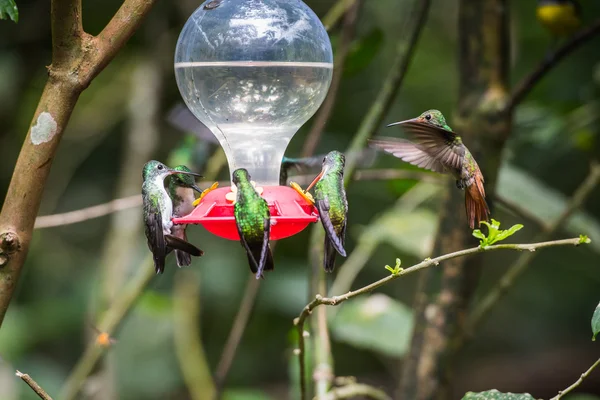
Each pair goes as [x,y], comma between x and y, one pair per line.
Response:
[204,193]
[231,196]
[306,195]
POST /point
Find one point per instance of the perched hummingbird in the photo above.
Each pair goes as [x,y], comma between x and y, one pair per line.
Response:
[436,147]
[331,203]
[158,210]
[561,17]
[253,221]
[181,191]
[365,158]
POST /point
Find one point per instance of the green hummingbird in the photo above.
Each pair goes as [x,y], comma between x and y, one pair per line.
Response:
[332,205]
[181,191]
[436,147]
[253,221]
[158,211]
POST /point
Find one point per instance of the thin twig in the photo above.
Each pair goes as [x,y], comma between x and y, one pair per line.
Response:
[483,307]
[77,58]
[339,299]
[355,390]
[109,322]
[336,12]
[125,203]
[188,344]
[577,382]
[326,109]
[237,331]
[389,89]
[34,385]
[529,82]
[367,128]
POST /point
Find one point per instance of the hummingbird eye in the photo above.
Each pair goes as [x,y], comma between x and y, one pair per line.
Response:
[428,117]
[160,166]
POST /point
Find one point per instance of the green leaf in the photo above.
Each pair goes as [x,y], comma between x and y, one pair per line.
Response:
[362,52]
[496,395]
[8,9]
[509,232]
[377,322]
[584,239]
[396,270]
[478,234]
[596,322]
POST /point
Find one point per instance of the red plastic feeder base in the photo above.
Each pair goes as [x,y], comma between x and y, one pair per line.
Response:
[290,213]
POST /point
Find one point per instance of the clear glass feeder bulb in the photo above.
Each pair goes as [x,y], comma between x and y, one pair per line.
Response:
[254,71]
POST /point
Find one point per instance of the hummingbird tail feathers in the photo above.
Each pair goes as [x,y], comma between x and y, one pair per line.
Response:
[476,206]
[264,264]
[182,245]
[183,259]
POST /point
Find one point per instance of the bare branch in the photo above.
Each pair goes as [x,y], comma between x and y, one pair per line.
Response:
[529,82]
[67,32]
[577,383]
[324,113]
[77,59]
[355,390]
[390,87]
[339,299]
[484,306]
[34,385]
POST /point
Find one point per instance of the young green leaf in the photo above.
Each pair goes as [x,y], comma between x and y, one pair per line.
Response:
[396,270]
[8,9]
[496,395]
[584,239]
[478,234]
[509,232]
[596,322]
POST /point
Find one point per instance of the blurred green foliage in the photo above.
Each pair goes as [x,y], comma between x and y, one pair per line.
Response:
[541,324]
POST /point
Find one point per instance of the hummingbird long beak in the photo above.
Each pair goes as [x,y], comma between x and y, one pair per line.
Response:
[314,182]
[174,171]
[197,189]
[405,121]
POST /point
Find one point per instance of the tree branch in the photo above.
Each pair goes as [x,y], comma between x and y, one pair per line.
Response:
[528,83]
[355,390]
[67,32]
[339,299]
[389,89]
[577,383]
[492,296]
[77,59]
[324,113]
[34,386]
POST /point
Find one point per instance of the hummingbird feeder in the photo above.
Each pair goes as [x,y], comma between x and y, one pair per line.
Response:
[254,71]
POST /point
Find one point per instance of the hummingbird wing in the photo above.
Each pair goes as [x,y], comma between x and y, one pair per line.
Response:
[336,241]
[407,151]
[266,257]
[182,118]
[439,143]
[251,260]
[156,239]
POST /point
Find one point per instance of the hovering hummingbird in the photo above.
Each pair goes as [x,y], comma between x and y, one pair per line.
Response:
[331,203]
[436,147]
[158,210]
[181,191]
[253,221]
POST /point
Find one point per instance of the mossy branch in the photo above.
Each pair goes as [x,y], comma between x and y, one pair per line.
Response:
[77,58]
